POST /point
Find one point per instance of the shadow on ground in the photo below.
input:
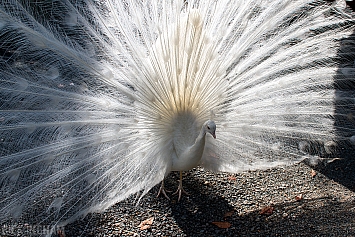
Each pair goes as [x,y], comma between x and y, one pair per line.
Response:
[341,170]
[308,217]
[194,214]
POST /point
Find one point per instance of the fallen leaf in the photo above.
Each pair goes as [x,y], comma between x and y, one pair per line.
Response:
[266,210]
[146,223]
[222,224]
[313,173]
[228,214]
[61,233]
[299,197]
[232,178]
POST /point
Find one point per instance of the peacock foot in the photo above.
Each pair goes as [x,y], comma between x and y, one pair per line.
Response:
[180,190]
[163,191]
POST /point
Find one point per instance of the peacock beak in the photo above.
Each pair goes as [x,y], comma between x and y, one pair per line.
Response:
[213,135]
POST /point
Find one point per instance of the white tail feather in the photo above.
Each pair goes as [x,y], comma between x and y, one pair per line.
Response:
[90,93]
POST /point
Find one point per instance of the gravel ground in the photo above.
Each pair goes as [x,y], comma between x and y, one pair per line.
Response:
[326,208]
[257,203]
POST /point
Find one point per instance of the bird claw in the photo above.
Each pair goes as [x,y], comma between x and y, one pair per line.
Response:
[180,190]
[163,191]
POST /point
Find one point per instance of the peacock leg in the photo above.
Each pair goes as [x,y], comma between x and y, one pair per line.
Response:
[180,188]
[163,191]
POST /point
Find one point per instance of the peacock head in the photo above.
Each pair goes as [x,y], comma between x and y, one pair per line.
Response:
[210,127]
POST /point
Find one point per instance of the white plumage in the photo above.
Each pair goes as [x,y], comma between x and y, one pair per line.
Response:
[102,99]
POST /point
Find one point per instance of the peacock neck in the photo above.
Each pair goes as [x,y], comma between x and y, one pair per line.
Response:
[192,155]
[200,140]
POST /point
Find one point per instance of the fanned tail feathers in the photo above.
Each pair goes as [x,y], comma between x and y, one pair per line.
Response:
[89,92]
